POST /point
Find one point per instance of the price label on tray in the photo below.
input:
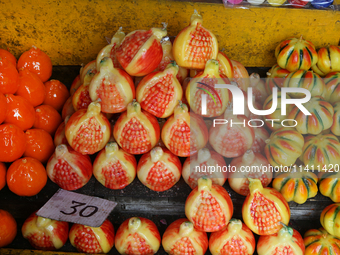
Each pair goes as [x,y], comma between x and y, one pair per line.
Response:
[77,208]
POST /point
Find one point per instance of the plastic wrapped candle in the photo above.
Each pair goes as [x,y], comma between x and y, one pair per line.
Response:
[255,2]
[235,1]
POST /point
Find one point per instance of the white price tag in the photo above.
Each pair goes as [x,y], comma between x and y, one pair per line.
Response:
[77,208]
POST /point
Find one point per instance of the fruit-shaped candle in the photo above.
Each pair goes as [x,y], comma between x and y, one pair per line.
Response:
[45,234]
[8,55]
[255,2]
[329,185]
[321,117]
[68,168]
[90,69]
[195,45]
[296,186]
[91,239]
[237,238]
[205,163]
[321,4]
[88,131]
[31,87]
[20,112]
[250,115]
[264,209]
[113,87]
[81,97]
[141,51]
[209,206]
[8,228]
[181,238]
[225,65]
[12,142]
[137,236]
[232,140]
[335,128]
[9,77]
[39,145]
[235,1]
[68,109]
[283,147]
[184,133]
[298,3]
[332,81]
[307,80]
[159,169]
[294,54]
[328,60]
[275,119]
[47,118]
[136,131]
[286,241]
[113,167]
[276,2]
[75,85]
[250,165]
[59,136]
[26,177]
[241,75]
[3,173]
[110,50]
[167,54]
[275,78]
[37,62]
[321,151]
[318,241]
[194,72]
[3,107]
[261,135]
[203,84]
[56,94]
[330,219]
[259,88]
[168,58]
[184,87]
[159,92]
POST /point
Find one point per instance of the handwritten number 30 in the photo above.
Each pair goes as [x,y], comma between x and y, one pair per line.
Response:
[82,211]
